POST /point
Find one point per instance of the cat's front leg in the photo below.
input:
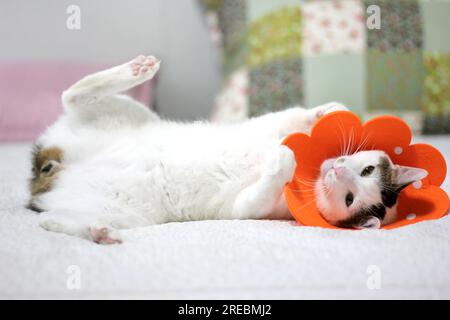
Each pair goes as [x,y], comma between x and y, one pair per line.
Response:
[301,120]
[62,222]
[327,108]
[264,199]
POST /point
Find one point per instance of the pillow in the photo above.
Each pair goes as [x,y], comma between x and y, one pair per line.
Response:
[30,95]
[280,53]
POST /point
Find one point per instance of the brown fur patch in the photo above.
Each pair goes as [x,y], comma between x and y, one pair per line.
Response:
[46,164]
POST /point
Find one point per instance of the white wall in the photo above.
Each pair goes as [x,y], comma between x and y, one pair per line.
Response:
[113,31]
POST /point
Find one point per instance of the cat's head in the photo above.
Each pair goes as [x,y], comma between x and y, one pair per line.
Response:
[361,190]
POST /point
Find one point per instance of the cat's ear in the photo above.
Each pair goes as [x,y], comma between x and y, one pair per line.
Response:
[371,223]
[404,176]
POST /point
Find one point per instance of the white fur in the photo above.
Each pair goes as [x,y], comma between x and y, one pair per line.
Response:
[124,167]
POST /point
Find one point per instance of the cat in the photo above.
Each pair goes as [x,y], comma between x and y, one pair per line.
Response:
[109,163]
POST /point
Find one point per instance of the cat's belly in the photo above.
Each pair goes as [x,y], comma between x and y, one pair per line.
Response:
[162,189]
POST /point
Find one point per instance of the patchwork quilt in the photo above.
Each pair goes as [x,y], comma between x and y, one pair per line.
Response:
[373,55]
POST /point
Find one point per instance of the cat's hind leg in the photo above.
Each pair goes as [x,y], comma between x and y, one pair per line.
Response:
[111,81]
[263,199]
[95,96]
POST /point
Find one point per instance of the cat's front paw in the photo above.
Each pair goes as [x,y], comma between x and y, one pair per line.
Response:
[287,163]
[143,64]
[328,108]
[281,164]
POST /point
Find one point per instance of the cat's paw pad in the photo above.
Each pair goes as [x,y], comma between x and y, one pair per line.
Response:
[330,107]
[142,64]
[103,235]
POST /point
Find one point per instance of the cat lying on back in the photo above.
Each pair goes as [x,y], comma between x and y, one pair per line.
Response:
[109,163]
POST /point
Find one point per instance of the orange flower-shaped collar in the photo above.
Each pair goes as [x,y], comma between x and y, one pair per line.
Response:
[341,133]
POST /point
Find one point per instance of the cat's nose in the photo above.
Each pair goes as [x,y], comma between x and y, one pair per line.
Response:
[339,171]
[340,160]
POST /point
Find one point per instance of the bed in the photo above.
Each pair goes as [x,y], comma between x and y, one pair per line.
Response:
[217,259]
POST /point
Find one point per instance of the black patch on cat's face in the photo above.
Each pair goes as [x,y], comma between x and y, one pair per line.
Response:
[389,197]
[389,189]
[363,215]
[389,193]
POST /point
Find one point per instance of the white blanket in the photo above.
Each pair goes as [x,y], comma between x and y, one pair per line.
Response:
[216,259]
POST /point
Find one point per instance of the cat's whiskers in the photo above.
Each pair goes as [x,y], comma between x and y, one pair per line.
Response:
[388,187]
[313,187]
[305,182]
[383,185]
[342,143]
[323,190]
[352,142]
[362,144]
[349,141]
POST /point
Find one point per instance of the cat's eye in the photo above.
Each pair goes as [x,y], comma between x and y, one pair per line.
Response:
[47,168]
[349,199]
[367,171]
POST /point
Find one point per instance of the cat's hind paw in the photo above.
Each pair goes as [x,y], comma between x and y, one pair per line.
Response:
[143,64]
[104,235]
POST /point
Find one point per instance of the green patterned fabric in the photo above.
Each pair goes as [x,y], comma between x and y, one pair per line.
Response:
[268,45]
[275,85]
[395,71]
[275,37]
[436,92]
[401,26]
[288,52]
[436,96]
[274,62]
[394,80]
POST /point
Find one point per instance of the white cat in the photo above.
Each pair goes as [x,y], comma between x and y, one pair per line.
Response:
[109,163]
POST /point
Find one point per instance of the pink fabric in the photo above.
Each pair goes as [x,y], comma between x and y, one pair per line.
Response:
[30,95]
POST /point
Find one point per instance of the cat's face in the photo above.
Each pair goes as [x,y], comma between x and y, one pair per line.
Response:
[361,190]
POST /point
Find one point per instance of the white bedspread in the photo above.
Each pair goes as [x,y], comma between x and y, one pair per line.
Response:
[217,259]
